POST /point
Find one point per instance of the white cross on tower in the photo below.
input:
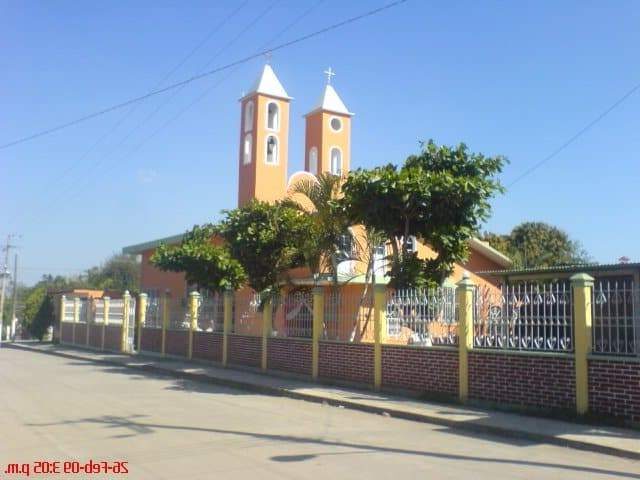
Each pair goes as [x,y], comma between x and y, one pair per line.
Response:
[268,56]
[329,73]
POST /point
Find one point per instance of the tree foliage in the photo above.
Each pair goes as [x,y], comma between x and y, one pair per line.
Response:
[204,264]
[38,311]
[441,196]
[538,244]
[326,221]
[119,272]
[265,239]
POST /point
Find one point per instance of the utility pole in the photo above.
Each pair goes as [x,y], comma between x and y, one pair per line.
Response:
[4,272]
[15,297]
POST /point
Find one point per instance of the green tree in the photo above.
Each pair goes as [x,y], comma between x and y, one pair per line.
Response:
[538,244]
[119,272]
[326,220]
[35,310]
[206,265]
[265,239]
[440,196]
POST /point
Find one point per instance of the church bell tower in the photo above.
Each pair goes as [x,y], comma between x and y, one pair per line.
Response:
[264,138]
[328,133]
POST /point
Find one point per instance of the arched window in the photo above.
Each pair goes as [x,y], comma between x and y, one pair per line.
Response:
[248,116]
[246,149]
[313,160]
[336,161]
[273,116]
[272,150]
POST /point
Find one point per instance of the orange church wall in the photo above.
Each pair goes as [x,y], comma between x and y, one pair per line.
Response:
[312,138]
[154,280]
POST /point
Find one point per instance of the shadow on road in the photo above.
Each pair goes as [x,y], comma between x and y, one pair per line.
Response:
[136,426]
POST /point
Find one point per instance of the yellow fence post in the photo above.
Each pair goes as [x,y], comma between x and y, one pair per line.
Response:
[142,317]
[464,300]
[105,319]
[63,302]
[124,332]
[88,317]
[165,321]
[379,331]
[267,326]
[581,284]
[316,332]
[194,305]
[226,325]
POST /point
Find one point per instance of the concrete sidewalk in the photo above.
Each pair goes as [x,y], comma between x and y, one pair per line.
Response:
[608,440]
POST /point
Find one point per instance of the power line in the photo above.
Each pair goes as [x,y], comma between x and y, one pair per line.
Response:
[133,108]
[203,75]
[166,76]
[577,135]
[96,164]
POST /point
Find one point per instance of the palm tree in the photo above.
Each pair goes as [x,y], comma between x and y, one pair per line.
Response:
[318,198]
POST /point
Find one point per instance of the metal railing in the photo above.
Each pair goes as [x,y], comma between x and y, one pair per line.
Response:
[293,315]
[116,311]
[211,313]
[424,317]
[348,315]
[153,315]
[247,316]
[616,317]
[69,310]
[524,316]
[179,318]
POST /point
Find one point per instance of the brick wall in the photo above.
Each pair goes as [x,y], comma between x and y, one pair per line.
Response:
[151,340]
[81,334]
[423,370]
[177,342]
[346,361]
[245,350]
[614,388]
[66,332]
[533,381]
[289,355]
[207,346]
[95,336]
[112,338]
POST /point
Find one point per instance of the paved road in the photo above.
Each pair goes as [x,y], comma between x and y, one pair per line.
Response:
[59,409]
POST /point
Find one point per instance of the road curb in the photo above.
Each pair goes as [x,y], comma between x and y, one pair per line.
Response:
[353,405]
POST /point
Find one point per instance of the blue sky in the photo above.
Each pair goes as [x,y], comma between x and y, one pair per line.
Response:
[510,78]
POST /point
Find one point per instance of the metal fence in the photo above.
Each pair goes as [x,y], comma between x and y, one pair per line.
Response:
[178,311]
[423,316]
[211,313]
[68,310]
[153,315]
[293,315]
[616,317]
[524,316]
[116,311]
[98,311]
[348,315]
[247,317]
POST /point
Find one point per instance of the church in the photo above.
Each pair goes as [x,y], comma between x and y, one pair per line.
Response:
[263,174]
